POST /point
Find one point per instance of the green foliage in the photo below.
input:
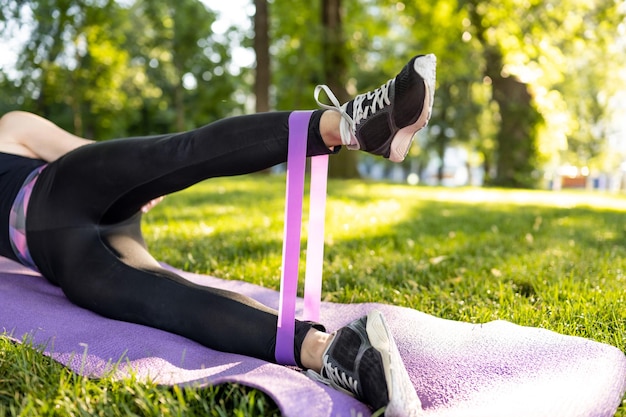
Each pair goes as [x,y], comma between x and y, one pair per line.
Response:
[296,63]
[104,68]
[552,51]
[558,50]
[182,58]
[72,63]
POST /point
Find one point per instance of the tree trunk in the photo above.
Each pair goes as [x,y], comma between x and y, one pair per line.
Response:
[261,49]
[517,134]
[179,102]
[179,91]
[343,165]
[445,120]
[516,137]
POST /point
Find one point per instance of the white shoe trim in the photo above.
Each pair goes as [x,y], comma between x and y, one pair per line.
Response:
[403,400]
[402,140]
[426,67]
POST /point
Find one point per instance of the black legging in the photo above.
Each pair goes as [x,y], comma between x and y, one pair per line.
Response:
[83,229]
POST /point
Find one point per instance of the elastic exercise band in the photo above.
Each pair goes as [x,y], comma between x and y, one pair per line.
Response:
[296,163]
[315,243]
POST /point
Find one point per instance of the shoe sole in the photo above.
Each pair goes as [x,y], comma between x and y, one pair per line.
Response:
[425,66]
[403,400]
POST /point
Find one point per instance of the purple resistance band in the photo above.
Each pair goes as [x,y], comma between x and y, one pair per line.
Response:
[296,164]
[315,243]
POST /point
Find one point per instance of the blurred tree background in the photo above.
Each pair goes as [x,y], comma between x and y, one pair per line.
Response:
[525,86]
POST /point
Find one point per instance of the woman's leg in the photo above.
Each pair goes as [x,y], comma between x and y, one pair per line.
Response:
[84,234]
[114,275]
[108,182]
[102,267]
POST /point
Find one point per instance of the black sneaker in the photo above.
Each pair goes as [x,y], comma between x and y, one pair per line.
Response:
[362,360]
[385,120]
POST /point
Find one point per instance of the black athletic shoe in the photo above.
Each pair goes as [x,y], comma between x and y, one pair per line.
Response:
[385,120]
[363,361]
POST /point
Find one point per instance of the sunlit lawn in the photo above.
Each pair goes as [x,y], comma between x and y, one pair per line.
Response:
[552,260]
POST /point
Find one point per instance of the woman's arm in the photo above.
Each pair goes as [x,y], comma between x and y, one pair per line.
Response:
[42,138]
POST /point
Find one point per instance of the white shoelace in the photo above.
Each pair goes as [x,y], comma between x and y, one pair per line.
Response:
[336,378]
[379,99]
[346,129]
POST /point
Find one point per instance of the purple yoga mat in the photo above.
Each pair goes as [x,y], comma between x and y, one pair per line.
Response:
[495,369]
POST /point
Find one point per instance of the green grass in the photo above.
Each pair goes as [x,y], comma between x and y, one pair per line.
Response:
[34,385]
[551,260]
